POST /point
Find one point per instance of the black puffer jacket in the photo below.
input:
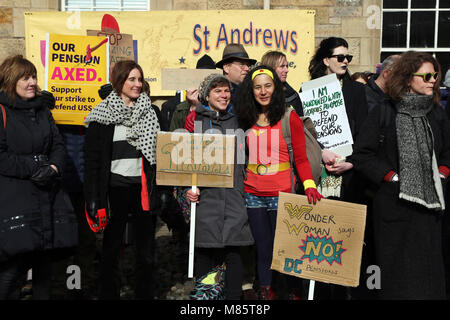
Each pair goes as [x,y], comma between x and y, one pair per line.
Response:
[31,218]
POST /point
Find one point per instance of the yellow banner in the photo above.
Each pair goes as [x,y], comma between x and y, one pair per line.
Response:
[76,66]
[177,39]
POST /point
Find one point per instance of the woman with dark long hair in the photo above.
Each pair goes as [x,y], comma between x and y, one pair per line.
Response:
[332,57]
[260,106]
[405,152]
[120,175]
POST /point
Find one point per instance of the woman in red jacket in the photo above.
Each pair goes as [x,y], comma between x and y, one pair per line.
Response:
[260,107]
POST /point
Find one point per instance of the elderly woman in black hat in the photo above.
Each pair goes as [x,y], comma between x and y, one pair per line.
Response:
[221,217]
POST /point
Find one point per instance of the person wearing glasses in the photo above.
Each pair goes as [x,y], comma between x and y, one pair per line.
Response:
[340,181]
[332,57]
[235,64]
[408,160]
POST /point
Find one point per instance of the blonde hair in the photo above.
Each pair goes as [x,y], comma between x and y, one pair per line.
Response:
[271,58]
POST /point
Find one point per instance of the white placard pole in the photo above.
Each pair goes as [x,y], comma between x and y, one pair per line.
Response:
[192,230]
[311,290]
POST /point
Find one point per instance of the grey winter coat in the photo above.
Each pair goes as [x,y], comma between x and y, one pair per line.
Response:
[221,215]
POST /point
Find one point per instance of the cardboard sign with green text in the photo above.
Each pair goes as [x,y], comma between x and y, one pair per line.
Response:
[321,242]
[180,155]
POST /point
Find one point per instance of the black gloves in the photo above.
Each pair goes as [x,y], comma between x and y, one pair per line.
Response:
[44,176]
[91,210]
[48,100]
[105,90]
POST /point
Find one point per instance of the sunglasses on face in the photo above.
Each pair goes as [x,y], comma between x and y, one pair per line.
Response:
[427,76]
[342,57]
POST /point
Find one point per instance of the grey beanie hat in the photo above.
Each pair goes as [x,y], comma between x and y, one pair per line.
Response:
[205,86]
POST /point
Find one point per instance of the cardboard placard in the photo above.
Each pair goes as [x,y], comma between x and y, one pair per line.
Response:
[321,242]
[120,45]
[324,103]
[182,79]
[210,156]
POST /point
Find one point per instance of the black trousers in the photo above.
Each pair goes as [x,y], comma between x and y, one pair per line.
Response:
[12,270]
[208,258]
[125,201]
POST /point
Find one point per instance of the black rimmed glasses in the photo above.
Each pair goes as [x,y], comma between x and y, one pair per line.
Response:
[342,57]
[427,76]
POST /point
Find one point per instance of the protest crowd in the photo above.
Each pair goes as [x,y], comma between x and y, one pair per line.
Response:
[78,195]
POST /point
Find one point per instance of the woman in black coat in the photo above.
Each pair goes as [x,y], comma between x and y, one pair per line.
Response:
[405,151]
[120,175]
[332,57]
[35,217]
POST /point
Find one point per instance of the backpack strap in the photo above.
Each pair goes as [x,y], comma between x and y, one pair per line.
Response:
[4,116]
[286,131]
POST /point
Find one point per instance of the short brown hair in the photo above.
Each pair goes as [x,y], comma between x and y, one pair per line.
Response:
[120,73]
[271,58]
[12,70]
[402,71]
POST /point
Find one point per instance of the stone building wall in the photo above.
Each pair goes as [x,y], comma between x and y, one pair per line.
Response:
[350,19]
[344,18]
[12,26]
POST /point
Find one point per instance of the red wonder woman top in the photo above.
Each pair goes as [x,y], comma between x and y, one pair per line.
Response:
[268,171]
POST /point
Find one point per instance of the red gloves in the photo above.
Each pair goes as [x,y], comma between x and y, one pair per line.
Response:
[313,195]
[189,122]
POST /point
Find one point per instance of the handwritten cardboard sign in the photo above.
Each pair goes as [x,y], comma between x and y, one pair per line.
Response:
[120,45]
[321,242]
[182,79]
[324,103]
[210,156]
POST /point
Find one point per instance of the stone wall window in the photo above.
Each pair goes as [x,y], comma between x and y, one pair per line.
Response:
[105,5]
[416,25]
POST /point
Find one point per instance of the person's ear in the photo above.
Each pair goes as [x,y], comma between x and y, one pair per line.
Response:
[326,61]
[226,68]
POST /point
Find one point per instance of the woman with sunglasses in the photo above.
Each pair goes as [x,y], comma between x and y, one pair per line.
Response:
[340,181]
[332,57]
[260,106]
[408,160]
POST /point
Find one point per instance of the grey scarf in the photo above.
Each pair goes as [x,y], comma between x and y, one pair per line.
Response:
[418,171]
[140,120]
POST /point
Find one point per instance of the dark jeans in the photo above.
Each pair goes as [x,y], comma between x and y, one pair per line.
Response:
[124,201]
[12,270]
[208,258]
[262,223]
